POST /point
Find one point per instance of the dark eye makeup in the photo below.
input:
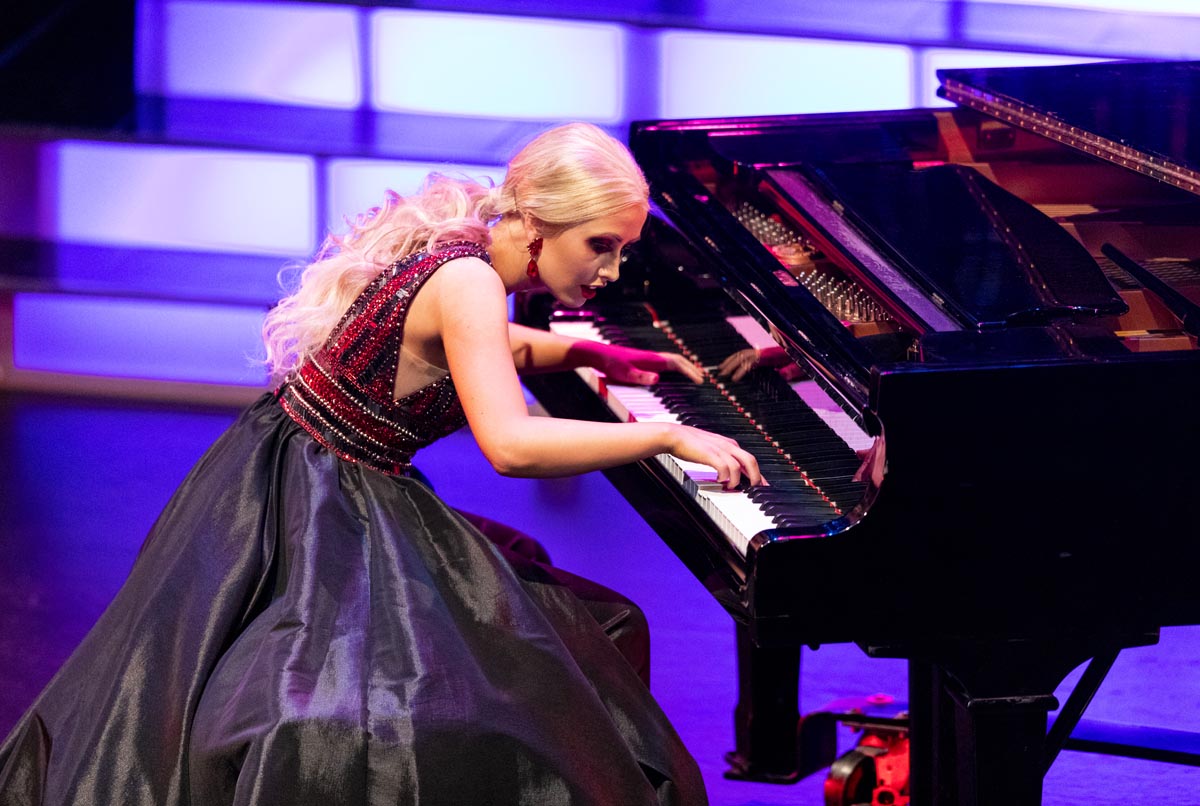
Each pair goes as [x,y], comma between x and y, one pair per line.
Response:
[600,246]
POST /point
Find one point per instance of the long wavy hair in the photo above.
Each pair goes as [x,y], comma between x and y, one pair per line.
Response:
[563,177]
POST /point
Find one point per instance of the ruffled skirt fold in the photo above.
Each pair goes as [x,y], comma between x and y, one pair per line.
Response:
[298,629]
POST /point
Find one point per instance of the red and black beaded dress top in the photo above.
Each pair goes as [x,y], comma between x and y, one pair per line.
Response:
[343,394]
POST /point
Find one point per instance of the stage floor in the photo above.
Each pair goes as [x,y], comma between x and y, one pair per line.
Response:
[81,481]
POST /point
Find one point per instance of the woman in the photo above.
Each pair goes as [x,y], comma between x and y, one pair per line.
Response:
[307,622]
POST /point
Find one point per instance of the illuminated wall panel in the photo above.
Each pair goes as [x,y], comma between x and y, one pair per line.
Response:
[707,75]
[491,66]
[1181,7]
[945,58]
[282,53]
[230,201]
[174,341]
[1147,32]
[356,186]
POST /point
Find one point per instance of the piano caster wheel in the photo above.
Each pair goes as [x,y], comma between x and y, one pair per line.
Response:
[875,773]
[851,780]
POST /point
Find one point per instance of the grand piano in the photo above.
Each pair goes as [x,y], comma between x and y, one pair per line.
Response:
[984,456]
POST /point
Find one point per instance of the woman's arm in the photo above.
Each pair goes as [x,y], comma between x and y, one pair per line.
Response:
[471,315]
[535,351]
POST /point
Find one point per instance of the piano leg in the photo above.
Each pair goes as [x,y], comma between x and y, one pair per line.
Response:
[924,717]
[979,712]
[773,743]
[968,751]
[767,712]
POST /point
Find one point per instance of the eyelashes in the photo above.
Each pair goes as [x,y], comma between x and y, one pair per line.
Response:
[603,246]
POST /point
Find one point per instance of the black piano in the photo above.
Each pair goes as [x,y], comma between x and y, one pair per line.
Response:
[983,454]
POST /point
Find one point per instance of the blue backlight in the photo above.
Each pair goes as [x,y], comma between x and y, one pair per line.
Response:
[1181,7]
[493,66]
[273,52]
[719,75]
[154,339]
[184,198]
[357,185]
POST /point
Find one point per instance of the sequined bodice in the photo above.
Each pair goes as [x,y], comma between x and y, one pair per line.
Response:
[343,394]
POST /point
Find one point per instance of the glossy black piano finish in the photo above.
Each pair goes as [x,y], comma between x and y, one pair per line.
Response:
[942,275]
[1028,450]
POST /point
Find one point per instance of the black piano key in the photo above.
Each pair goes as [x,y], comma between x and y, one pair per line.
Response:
[761,411]
[808,497]
[809,510]
[800,515]
[777,493]
[801,525]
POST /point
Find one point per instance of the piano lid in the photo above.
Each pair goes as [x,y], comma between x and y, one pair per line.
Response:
[1144,116]
[982,251]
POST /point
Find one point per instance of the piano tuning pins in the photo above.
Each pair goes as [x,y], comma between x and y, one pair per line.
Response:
[767,229]
[842,297]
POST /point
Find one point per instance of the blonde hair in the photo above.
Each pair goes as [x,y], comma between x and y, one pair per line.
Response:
[563,177]
[569,175]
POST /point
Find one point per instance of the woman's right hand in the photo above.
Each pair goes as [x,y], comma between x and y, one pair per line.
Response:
[731,462]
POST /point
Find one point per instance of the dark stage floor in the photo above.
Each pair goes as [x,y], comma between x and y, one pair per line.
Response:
[81,482]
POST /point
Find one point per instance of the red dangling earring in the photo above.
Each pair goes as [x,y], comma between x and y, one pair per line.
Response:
[535,251]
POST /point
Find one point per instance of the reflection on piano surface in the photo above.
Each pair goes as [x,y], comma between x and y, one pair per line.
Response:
[1004,296]
[762,412]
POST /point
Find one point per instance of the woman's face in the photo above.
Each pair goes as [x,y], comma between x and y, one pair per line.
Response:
[585,257]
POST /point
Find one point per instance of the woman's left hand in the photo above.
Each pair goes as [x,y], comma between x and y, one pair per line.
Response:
[738,365]
[629,365]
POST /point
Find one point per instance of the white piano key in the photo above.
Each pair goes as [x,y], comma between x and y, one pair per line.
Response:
[577,329]
[732,512]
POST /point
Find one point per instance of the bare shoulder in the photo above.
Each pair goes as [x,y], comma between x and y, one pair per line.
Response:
[467,270]
[466,286]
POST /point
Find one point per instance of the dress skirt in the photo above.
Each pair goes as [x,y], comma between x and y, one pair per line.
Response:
[298,629]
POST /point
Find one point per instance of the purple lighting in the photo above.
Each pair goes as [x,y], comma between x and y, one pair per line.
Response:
[181,198]
[272,52]
[722,75]
[357,185]
[175,341]
[541,69]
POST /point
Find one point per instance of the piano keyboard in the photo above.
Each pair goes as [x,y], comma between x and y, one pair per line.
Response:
[804,443]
